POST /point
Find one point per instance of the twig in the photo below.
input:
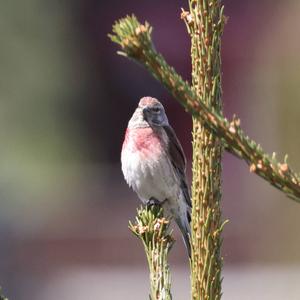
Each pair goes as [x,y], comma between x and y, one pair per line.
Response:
[136,43]
[153,230]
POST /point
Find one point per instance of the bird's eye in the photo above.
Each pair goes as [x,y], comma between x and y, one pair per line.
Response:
[155,109]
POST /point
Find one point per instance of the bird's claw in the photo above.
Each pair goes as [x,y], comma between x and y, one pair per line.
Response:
[153,202]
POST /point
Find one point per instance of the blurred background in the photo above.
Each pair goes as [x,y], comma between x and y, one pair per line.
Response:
[65,100]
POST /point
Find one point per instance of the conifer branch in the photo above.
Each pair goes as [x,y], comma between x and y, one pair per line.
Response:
[206,260]
[153,230]
[135,41]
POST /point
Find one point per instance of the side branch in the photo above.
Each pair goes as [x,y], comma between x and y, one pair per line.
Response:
[136,43]
[153,230]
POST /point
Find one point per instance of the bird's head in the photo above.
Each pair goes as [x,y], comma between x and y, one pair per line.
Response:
[153,112]
[150,112]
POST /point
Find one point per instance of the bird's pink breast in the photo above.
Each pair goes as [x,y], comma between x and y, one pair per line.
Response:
[144,141]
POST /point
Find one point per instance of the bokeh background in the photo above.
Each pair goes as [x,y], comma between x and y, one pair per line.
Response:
[65,100]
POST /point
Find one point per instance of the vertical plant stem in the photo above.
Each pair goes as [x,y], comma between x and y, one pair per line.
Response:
[205,24]
[153,230]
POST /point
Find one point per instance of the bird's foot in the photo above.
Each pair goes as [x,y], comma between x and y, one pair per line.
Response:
[154,202]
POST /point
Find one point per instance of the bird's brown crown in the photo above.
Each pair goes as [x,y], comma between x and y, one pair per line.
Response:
[148,101]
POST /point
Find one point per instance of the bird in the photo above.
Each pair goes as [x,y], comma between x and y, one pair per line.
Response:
[154,164]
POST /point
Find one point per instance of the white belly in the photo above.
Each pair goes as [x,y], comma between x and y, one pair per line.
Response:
[150,177]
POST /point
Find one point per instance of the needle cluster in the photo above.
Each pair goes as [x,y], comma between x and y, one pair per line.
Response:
[152,228]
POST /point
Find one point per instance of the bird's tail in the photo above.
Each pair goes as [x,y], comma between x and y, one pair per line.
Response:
[185,228]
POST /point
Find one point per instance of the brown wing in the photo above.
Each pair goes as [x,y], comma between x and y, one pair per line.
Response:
[178,160]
